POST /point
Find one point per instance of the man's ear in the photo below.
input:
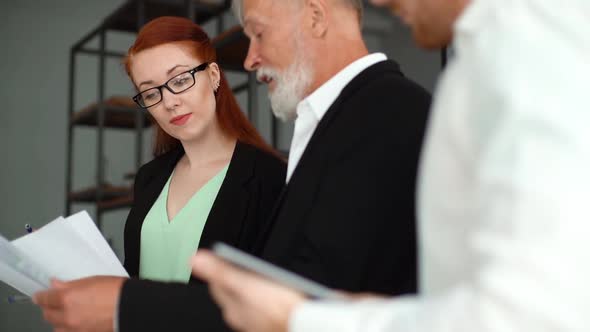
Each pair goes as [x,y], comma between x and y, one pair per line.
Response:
[318,13]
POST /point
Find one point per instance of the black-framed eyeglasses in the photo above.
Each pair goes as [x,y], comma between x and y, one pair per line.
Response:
[176,85]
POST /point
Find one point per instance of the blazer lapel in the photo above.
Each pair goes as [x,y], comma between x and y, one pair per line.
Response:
[158,179]
[277,236]
[264,233]
[381,68]
[153,181]
[387,67]
[226,218]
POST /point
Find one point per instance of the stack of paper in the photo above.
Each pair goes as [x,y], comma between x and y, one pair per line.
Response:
[66,249]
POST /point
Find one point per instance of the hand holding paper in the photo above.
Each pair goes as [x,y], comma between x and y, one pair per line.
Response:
[64,249]
[81,305]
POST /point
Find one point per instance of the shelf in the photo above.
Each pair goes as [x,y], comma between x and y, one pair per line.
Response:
[120,112]
[232,48]
[109,192]
[126,18]
[129,176]
[116,203]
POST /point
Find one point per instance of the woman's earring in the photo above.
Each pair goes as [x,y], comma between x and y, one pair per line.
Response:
[216,87]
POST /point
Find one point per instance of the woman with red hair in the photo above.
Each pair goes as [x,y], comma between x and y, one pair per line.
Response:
[214,178]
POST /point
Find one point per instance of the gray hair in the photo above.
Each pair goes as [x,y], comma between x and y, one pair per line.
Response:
[357,5]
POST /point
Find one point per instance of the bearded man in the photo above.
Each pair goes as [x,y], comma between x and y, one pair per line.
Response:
[346,217]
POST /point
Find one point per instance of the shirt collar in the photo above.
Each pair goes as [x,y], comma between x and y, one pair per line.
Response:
[470,19]
[322,98]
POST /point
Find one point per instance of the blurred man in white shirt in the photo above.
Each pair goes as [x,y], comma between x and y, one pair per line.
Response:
[504,184]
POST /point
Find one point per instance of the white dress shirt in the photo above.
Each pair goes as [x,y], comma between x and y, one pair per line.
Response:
[504,190]
[311,109]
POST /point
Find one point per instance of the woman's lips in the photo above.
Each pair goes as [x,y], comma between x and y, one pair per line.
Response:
[181,119]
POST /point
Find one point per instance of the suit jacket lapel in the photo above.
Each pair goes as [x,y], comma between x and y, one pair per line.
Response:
[156,182]
[274,241]
[152,182]
[264,233]
[380,68]
[226,218]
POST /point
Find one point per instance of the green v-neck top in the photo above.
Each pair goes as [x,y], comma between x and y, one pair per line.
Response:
[167,245]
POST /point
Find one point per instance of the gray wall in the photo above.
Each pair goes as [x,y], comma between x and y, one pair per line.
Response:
[35,40]
[36,37]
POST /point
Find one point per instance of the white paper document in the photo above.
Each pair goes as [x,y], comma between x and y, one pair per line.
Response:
[65,249]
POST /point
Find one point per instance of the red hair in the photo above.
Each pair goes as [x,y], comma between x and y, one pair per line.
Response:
[170,29]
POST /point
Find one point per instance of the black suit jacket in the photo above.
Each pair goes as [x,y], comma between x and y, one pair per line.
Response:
[347,216]
[252,184]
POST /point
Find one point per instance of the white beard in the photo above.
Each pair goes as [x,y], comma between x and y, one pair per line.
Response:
[290,86]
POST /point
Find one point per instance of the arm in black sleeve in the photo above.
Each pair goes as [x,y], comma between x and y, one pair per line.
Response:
[157,306]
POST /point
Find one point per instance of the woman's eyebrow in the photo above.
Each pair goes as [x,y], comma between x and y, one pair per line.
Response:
[167,73]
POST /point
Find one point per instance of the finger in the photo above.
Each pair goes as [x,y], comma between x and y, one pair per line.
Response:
[55,318]
[41,298]
[218,274]
[223,296]
[230,306]
[206,266]
[222,274]
[215,272]
[49,299]
[55,283]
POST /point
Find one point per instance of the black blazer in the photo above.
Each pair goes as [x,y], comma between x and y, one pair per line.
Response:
[252,184]
[347,216]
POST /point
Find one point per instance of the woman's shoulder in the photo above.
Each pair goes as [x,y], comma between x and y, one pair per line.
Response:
[266,163]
